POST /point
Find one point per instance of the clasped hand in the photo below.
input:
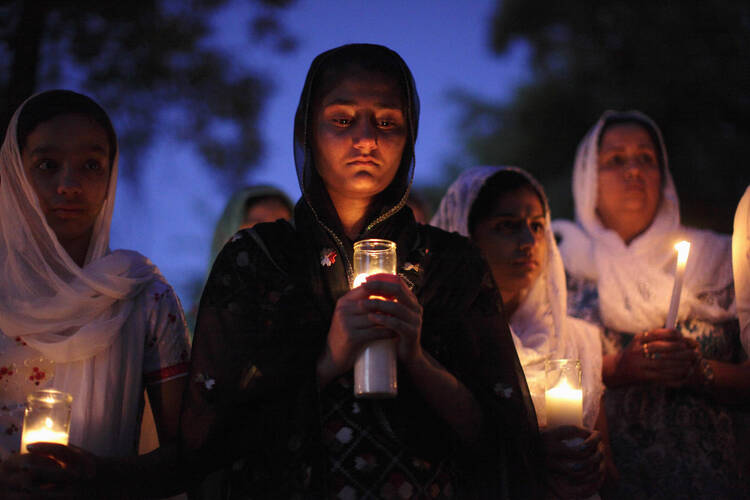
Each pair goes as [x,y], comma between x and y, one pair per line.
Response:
[660,356]
[359,320]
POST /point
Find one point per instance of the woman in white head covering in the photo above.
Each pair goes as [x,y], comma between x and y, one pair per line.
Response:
[505,212]
[74,315]
[670,435]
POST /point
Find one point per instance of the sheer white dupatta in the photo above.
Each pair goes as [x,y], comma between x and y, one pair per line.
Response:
[635,281]
[741,266]
[540,326]
[73,315]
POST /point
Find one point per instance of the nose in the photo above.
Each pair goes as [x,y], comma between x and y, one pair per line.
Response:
[365,136]
[68,182]
[526,237]
[633,167]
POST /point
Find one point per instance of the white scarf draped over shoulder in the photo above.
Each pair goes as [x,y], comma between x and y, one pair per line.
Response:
[73,315]
[634,281]
[540,326]
[741,266]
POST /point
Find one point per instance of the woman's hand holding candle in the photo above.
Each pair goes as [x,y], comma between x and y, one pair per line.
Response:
[660,356]
[401,314]
[49,470]
[575,460]
[351,329]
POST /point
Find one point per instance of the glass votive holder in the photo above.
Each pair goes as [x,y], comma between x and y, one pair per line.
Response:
[47,418]
[375,367]
[564,393]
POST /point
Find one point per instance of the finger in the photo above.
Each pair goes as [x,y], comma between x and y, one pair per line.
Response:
[402,328]
[667,346]
[393,290]
[395,309]
[662,333]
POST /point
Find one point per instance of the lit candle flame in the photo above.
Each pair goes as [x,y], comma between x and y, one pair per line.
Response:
[683,249]
[48,422]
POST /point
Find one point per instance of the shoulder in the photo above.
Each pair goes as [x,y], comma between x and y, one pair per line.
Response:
[443,244]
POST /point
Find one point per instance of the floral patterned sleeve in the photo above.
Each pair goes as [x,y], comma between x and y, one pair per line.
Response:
[167,346]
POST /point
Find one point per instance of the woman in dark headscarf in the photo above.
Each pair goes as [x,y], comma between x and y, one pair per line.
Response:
[270,388]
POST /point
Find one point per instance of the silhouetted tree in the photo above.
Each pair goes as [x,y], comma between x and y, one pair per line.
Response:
[154,64]
[686,64]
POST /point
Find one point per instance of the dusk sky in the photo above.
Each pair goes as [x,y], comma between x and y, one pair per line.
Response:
[171,217]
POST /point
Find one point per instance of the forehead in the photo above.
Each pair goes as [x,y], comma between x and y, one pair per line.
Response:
[522,202]
[626,134]
[68,131]
[365,88]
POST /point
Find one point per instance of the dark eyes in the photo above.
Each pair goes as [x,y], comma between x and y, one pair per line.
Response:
[50,165]
[514,226]
[347,122]
[621,160]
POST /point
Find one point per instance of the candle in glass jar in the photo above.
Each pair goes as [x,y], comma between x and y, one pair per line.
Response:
[564,395]
[375,366]
[47,418]
[683,250]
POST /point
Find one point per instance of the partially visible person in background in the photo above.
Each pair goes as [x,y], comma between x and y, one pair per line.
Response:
[504,211]
[246,208]
[673,395]
[419,207]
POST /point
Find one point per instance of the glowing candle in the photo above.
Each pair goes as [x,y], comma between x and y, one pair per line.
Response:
[683,249]
[47,418]
[375,366]
[564,395]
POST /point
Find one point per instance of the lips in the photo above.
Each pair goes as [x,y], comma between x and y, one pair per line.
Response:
[527,262]
[363,161]
[68,211]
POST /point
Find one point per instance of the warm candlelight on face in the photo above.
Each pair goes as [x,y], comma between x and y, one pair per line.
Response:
[564,395]
[683,250]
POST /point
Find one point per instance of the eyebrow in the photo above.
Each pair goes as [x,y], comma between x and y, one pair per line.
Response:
[644,145]
[348,102]
[43,150]
[513,216]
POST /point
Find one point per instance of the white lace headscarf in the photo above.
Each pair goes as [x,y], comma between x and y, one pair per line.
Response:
[741,266]
[635,280]
[73,315]
[540,326]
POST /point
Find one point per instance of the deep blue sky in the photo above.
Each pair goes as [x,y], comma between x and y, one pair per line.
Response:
[446,45]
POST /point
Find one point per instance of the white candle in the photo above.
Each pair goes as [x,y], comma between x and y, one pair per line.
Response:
[683,249]
[47,433]
[564,405]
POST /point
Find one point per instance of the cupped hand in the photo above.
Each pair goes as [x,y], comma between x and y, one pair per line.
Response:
[400,314]
[49,470]
[660,356]
[575,460]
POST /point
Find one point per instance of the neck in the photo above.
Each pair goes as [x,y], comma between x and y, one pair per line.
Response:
[77,248]
[352,213]
[628,228]
[511,300]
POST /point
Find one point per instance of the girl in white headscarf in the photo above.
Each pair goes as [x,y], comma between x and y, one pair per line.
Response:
[74,315]
[671,434]
[505,212]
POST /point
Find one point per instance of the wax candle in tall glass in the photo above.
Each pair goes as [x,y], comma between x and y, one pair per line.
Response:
[47,418]
[564,393]
[375,366]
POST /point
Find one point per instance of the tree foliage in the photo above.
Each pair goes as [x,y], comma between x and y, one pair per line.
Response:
[685,64]
[155,65]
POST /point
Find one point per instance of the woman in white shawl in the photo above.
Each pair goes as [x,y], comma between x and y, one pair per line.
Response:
[668,391]
[505,212]
[74,315]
